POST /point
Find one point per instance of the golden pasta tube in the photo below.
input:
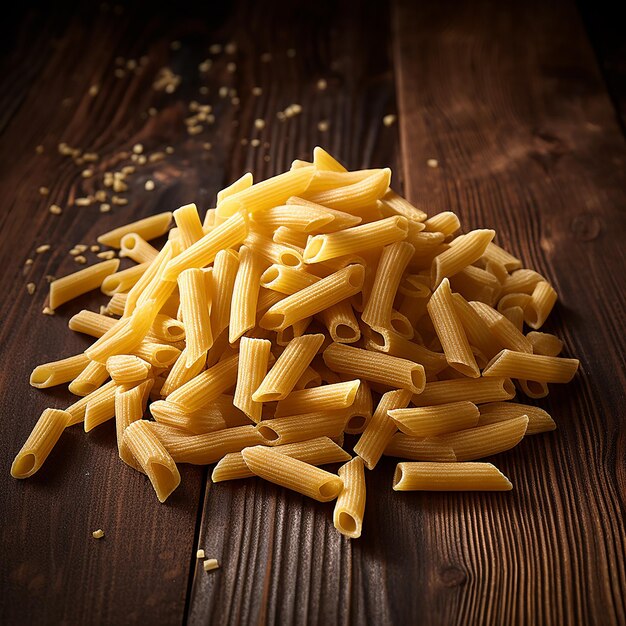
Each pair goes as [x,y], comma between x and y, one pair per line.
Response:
[130,405]
[272,252]
[289,366]
[521,281]
[476,390]
[445,222]
[503,330]
[310,378]
[515,315]
[287,280]
[496,254]
[545,343]
[181,373]
[100,408]
[208,223]
[539,421]
[189,225]
[325,398]
[152,457]
[449,477]
[157,354]
[245,297]
[283,337]
[543,369]
[291,473]
[315,298]
[375,367]
[381,428]
[450,331]
[167,329]
[288,237]
[125,369]
[279,431]
[148,228]
[341,219]
[482,441]
[324,161]
[40,442]
[404,447]
[542,301]
[361,410]
[341,322]
[463,251]
[319,451]
[533,389]
[435,420]
[244,182]
[58,372]
[395,204]
[474,283]
[324,180]
[135,247]
[124,280]
[305,219]
[64,289]
[78,409]
[194,305]
[224,275]
[354,240]
[92,377]
[254,357]
[116,304]
[350,505]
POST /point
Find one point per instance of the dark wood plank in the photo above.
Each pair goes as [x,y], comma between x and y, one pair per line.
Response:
[509,99]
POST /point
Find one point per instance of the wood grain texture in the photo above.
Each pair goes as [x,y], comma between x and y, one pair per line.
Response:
[510,102]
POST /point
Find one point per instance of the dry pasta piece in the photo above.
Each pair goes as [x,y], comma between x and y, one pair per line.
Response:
[189,225]
[124,280]
[287,280]
[449,477]
[273,252]
[245,297]
[92,377]
[341,322]
[224,275]
[474,283]
[64,289]
[116,304]
[361,410]
[395,204]
[165,328]
[354,240]
[416,449]
[482,441]
[289,366]
[148,228]
[545,343]
[542,300]
[496,254]
[476,328]
[310,378]
[350,505]
[126,369]
[503,330]
[305,219]
[436,420]
[58,372]
[100,408]
[533,389]
[319,451]
[521,281]
[537,367]
[375,367]
[476,390]
[324,161]
[217,415]
[325,398]
[152,457]
[130,405]
[245,182]
[194,305]
[325,180]
[340,220]
[79,408]
[135,247]
[539,421]
[279,431]
[445,222]
[515,315]
[450,331]
[40,442]
[291,473]
[181,373]
[315,298]
[254,357]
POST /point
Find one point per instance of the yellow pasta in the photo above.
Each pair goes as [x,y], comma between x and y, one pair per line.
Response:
[350,505]
[245,297]
[361,410]
[327,397]
[542,300]
[135,247]
[245,182]
[291,473]
[496,254]
[305,219]
[78,409]
[116,304]
[69,287]
[474,283]
[216,415]
[502,329]
[545,343]
[130,405]
[254,357]
[449,477]
[539,421]
[194,305]
[445,222]
[325,180]
[224,276]
[181,373]
[436,420]
[189,225]
[92,377]
[415,449]
[521,281]
[476,328]
[100,408]
[533,389]
[124,280]
[311,378]
[324,161]
[58,372]
[476,390]
[166,329]
[340,220]
[42,439]
[152,457]
[341,322]
[395,204]
[287,280]
[537,367]
[515,315]
[281,430]
[289,366]
[126,369]
[148,228]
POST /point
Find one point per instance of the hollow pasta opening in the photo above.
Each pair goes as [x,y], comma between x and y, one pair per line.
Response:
[356,422]
[355,278]
[377,338]
[40,376]
[268,433]
[290,259]
[397,476]
[110,286]
[509,387]
[347,522]
[24,465]
[402,326]
[175,330]
[313,248]
[346,332]
[273,320]
[269,276]
[165,356]
[129,241]
[417,378]
[328,489]
[163,479]
[531,315]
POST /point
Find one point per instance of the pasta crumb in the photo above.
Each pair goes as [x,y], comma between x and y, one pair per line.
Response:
[322,84]
[98,534]
[389,120]
[118,201]
[107,255]
[39,149]
[257,91]
[93,90]
[255,143]
[80,259]
[210,564]
[200,554]
[55,209]
[137,148]
[86,201]
[323,126]
[432,163]
[44,191]
[30,287]
[149,185]
[94,248]
[105,207]
[47,311]
[43,248]
[28,262]
[259,124]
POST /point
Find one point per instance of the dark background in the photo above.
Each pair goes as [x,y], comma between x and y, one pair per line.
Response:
[522,104]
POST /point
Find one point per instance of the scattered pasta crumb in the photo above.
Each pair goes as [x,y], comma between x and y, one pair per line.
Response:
[223,92]
[257,91]
[231,67]
[44,191]
[432,163]
[55,209]
[100,195]
[85,201]
[90,157]
[105,207]
[74,252]
[323,126]
[195,130]
[259,123]
[87,173]
[200,554]
[107,255]
[39,149]
[206,145]
[231,47]
[43,248]
[80,259]
[81,247]
[155,157]
[94,248]
[137,148]
[322,84]
[169,149]
[389,120]
[204,90]
[205,66]
[210,564]
[255,143]
[215,48]
[50,278]
[118,201]
[93,90]
[98,534]
[47,311]
[149,185]
[28,262]
[30,287]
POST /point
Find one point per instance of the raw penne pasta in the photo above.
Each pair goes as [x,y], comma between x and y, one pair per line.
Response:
[224,275]
[292,473]
[306,219]
[522,281]
[283,337]
[78,409]
[537,367]
[208,223]
[375,367]
[352,240]
[341,219]
[167,329]
[451,332]
[324,161]
[545,343]
[381,428]
[101,408]
[449,477]
[217,415]
[126,369]
[42,439]
[325,180]
[495,253]
[309,379]
[533,389]
[135,247]
[511,300]
[254,357]
[405,447]
[445,222]
[474,283]
[361,410]
[539,421]
[287,280]
[157,354]
[542,300]
[58,372]
[130,405]
[181,373]
[124,280]
[476,390]
[245,182]
[189,225]
[152,457]
[288,237]
[476,328]
[289,366]
[435,420]
[90,379]
[341,322]
[350,505]
[64,289]
[281,430]
[395,204]
[502,329]
[325,398]
[116,304]
[515,315]
[194,305]
[319,451]
[148,228]
[272,252]
[245,297]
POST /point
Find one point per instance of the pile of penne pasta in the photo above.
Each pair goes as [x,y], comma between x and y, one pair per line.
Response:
[311,305]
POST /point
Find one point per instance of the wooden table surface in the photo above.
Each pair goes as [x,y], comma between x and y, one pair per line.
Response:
[512,101]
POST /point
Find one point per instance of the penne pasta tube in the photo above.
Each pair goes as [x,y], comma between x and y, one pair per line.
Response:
[361,410]
[515,315]
[124,280]
[78,409]
[445,222]
[245,297]
[181,373]
[325,398]
[325,180]
[289,366]
[167,329]
[292,473]
[101,408]
[315,298]
[283,337]
[152,457]
[320,451]
[157,354]
[350,505]
[395,204]
[356,239]
[375,367]
[476,390]
[496,254]
[189,225]
[476,328]
[64,289]
[449,477]
[522,281]
[341,220]
[536,367]
[224,275]
[272,252]
[148,228]
[92,377]
[450,331]
[58,372]
[194,305]
[130,405]
[254,358]
[502,329]
[435,420]
[42,439]
[474,283]
[116,304]
[539,421]
[405,447]
[279,431]
[533,389]
[135,247]
[341,322]
[545,343]
[245,182]
[289,237]
[126,369]
[541,303]
[287,280]
[305,219]
[381,428]
[324,161]
[309,379]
